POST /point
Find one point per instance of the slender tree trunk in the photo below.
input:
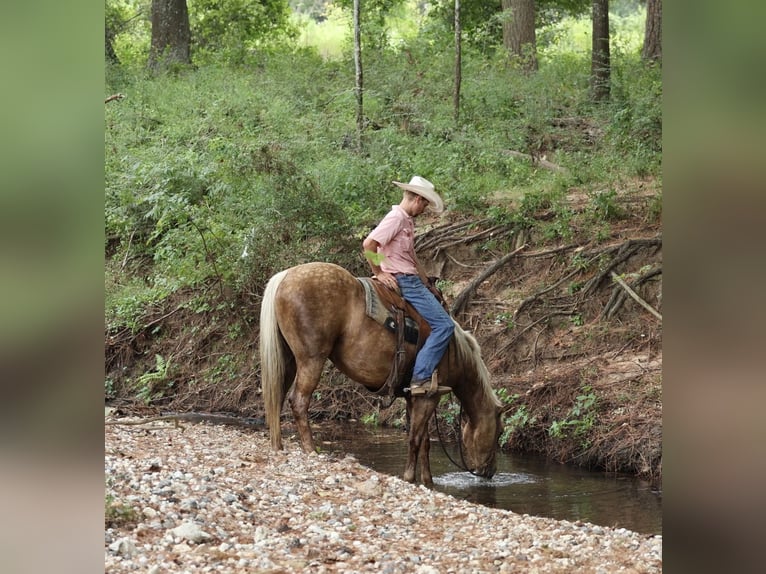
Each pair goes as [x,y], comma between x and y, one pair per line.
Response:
[458,63]
[600,62]
[652,50]
[519,35]
[109,53]
[171,36]
[359,82]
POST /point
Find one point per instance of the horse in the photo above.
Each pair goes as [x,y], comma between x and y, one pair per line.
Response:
[316,311]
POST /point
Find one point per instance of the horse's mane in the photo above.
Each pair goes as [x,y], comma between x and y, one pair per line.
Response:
[469,352]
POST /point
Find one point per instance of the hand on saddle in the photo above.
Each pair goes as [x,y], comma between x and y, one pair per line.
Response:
[388,280]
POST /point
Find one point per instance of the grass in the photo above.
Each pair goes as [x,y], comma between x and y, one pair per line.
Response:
[204,165]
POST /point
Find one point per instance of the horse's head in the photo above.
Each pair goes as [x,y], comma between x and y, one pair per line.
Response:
[480,442]
[482,423]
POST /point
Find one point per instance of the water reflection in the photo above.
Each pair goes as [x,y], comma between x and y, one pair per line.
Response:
[525,485]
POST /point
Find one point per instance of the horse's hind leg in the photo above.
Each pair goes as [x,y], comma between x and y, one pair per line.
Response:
[306,381]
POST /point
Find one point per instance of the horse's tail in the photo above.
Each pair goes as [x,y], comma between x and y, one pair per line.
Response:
[272,361]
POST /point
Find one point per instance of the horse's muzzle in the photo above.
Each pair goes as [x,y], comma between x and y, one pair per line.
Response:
[486,471]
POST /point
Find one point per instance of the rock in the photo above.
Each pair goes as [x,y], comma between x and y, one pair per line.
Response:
[295,512]
[370,487]
[124,547]
[191,532]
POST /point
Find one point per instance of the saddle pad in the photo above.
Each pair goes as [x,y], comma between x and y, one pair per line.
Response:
[376,310]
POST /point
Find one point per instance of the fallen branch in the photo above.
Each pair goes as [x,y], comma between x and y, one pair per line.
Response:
[542,162]
[177,418]
[443,232]
[619,295]
[547,252]
[635,296]
[626,250]
[461,299]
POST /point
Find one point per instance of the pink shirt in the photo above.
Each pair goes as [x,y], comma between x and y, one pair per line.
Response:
[396,236]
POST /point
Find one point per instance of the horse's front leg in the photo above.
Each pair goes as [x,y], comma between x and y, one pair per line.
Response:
[425,461]
[420,410]
[306,381]
[412,454]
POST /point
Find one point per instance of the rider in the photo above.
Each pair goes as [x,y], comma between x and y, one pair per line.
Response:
[399,269]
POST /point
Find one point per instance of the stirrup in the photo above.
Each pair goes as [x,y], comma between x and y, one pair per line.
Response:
[423,391]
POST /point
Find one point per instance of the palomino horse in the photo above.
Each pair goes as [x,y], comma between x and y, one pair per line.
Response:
[316,311]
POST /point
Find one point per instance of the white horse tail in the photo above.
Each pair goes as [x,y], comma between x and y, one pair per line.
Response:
[272,361]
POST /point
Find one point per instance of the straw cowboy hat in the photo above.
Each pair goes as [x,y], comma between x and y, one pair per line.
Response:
[424,188]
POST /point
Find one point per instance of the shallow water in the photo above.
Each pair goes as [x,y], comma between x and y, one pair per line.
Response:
[526,485]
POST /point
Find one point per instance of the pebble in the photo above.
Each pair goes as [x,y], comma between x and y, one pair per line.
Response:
[218,499]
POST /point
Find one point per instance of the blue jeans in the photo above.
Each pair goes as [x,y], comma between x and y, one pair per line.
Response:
[442,327]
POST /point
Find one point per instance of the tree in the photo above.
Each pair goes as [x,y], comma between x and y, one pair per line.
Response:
[458,63]
[171,36]
[359,82]
[652,50]
[519,31]
[600,63]
[231,30]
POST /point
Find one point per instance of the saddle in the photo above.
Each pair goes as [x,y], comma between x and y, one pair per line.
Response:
[389,309]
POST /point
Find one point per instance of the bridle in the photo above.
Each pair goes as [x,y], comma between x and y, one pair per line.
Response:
[462,466]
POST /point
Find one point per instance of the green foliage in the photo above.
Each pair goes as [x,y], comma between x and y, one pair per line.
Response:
[374,258]
[247,164]
[449,410]
[635,112]
[580,419]
[153,384]
[108,388]
[482,21]
[517,421]
[577,320]
[118,514]
[604,205]
[655,208]
[128,26]
[504,318]
[371,419]
[230,30]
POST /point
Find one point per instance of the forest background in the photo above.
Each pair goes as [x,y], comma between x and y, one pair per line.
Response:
[242,152]
[52,294]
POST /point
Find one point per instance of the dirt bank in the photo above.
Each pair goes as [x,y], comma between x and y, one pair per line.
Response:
[569,320]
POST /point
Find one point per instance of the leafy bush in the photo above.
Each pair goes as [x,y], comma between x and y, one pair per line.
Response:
[231,171]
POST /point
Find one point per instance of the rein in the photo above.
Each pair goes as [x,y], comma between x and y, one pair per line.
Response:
[462,466]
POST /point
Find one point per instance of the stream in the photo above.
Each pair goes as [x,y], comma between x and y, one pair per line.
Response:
[523,484]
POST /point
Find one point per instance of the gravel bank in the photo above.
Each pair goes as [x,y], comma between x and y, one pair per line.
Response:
[208,498]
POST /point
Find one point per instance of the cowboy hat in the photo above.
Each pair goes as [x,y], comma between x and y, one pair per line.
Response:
[424,188]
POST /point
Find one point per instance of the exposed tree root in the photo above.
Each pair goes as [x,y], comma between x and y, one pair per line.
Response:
[461,299]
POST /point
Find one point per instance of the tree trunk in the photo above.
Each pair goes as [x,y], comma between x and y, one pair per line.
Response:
[359,77]
[109,53]
[600,63]
[652,50]
[458,63]
[171,36]
[519,31]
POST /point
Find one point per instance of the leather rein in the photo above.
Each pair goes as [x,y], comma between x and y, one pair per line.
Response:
[462,466]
